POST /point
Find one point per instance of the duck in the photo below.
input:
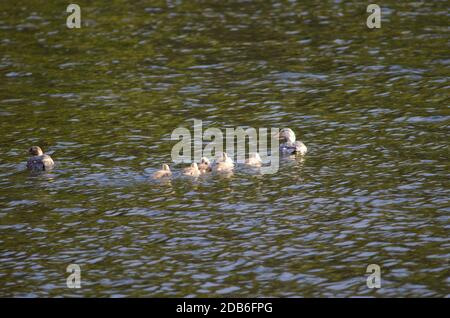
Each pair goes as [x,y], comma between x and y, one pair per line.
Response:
[289,145]
[254,160]
[224,163]
[192,171]
[164,172]
[204,166]
[38,160]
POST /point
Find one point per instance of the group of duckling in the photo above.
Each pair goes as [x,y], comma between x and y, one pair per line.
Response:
[223,164]
[288,146]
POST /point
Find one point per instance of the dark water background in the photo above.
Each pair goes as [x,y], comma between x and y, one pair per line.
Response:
[371,105]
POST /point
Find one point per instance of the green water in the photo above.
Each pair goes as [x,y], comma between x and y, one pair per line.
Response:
[371,105]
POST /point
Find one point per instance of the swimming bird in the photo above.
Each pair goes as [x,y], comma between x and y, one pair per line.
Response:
[224,163]
[254,160]
[289,145]
[164,172]
[39,161]
[192,170]
[205,165]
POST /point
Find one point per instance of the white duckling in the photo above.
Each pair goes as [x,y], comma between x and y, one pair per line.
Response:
[224,163]
[39,161]
[164,172]
[254,160]
[288,143]
[204,166]
[192,170]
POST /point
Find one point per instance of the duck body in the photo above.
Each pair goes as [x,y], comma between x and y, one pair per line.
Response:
[163,173]
[289,145]
[223,167]
[296,147]
[192,171]
[39,161]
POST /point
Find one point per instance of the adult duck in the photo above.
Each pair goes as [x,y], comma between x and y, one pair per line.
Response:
[289,145]
[38,160]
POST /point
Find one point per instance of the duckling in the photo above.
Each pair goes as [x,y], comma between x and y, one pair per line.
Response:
[192,170]
[205,165]
[289,145]
[254,160]
[39,161]
[224,163]
[164,172]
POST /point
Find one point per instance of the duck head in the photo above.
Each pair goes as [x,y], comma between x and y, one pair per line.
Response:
[205,161]
[165,167]
[286,135]
[223,157]
[35,151]
[255,155]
